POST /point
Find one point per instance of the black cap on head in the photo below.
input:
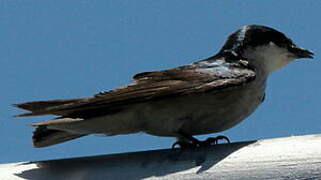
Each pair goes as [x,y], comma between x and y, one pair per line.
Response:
[257,35]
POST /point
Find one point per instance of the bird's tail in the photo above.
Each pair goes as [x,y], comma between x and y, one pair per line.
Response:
[43,137]
[39,106]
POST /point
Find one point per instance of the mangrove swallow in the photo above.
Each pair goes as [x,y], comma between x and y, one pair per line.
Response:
[207,96]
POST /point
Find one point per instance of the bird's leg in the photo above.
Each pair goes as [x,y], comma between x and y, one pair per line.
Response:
[189,141]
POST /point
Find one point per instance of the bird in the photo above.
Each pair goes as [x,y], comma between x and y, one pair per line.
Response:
[206,96]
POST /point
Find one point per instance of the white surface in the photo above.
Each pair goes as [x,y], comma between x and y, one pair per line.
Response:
[282,158]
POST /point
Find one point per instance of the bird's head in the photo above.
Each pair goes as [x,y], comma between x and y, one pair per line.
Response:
[263,46]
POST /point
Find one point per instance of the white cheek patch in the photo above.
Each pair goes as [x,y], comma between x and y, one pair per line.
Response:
[276,57]
[271,56]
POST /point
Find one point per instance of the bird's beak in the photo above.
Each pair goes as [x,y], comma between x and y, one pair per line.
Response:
[300,52]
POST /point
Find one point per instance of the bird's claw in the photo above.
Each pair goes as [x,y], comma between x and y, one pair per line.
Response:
[214,140]
[183,145]
[208,142]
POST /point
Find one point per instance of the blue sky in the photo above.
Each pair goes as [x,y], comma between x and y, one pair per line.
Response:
[65,49]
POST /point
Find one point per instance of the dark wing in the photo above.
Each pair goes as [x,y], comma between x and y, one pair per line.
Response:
[147,86]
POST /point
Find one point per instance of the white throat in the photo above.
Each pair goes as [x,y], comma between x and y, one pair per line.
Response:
[270,57]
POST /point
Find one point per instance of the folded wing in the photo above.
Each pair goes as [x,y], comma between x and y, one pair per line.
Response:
[147,86]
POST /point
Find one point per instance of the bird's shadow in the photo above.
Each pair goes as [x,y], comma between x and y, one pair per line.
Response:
[136,165]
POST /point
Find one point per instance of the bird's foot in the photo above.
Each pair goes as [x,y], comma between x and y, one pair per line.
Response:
[214,140]
[193,143]
[183,145]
